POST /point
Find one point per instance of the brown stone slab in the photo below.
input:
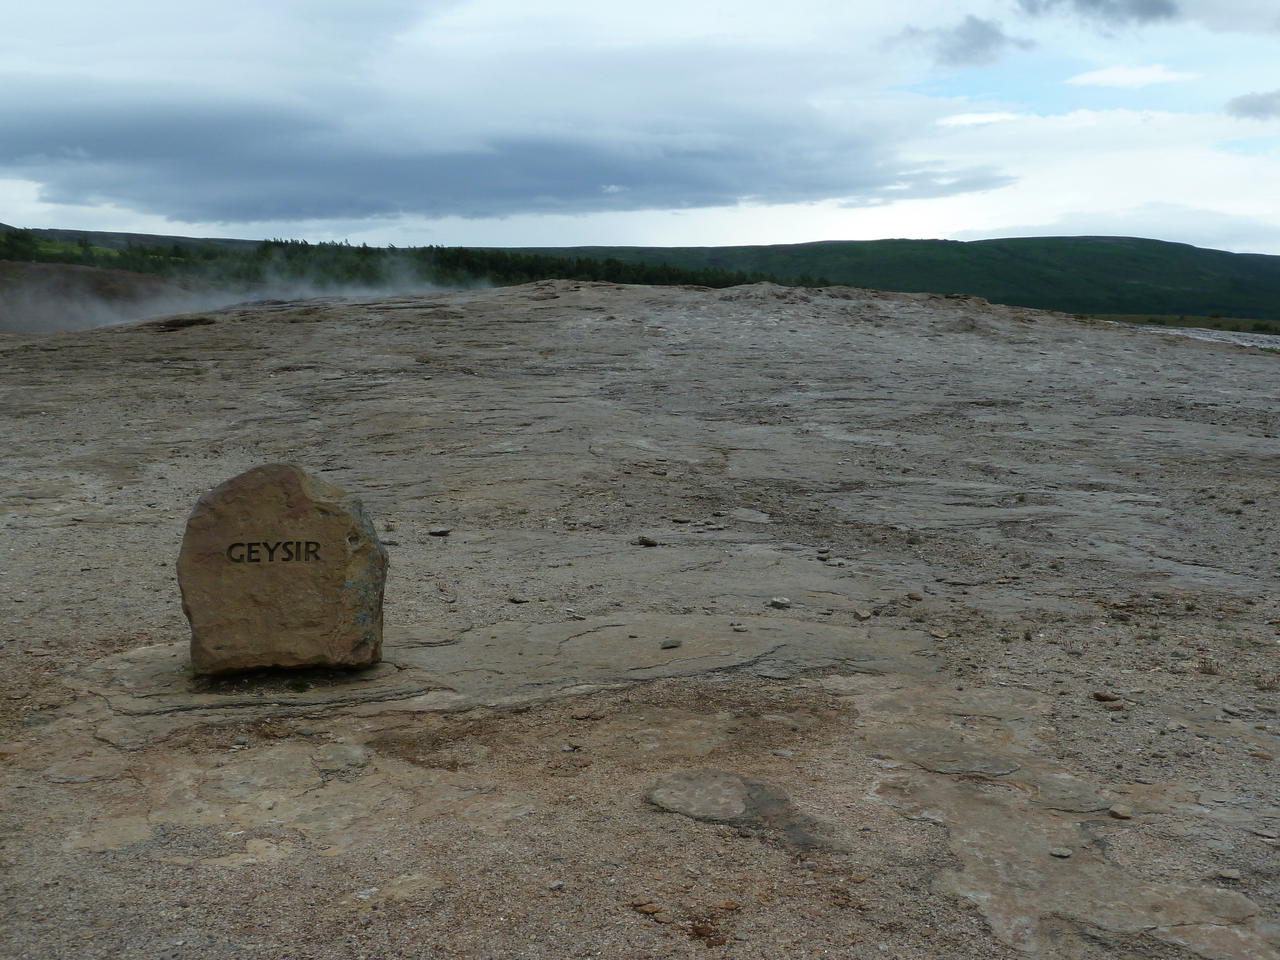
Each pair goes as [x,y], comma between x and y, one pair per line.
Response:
[280,569]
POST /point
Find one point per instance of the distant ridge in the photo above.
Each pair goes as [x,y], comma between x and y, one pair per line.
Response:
[118,241]
[1088,275]
[1107,275]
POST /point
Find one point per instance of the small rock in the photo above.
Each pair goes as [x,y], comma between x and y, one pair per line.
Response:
[555,885]
[1227,874]
[518,599]
[728,905]
[1232,711]
[439,531]
[670,644]
[862,613]
[1121,811]
[939,634]
[647,907]
[1062,853]
[779,603]
[739,628]
[643,541]
[784,753]
[1114,707]
[1104,697]
[915,596]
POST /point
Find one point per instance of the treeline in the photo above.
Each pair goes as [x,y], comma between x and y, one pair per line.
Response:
[338,265]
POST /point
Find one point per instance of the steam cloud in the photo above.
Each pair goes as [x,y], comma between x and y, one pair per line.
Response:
[40,298]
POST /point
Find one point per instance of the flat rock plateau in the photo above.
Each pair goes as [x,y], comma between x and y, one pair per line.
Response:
[746,623]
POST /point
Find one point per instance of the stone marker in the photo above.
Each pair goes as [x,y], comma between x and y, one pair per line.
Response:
[280,569]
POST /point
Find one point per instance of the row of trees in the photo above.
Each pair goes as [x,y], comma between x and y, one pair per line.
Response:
[337,265]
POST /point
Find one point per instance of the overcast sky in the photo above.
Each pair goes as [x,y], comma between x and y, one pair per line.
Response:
[672,122]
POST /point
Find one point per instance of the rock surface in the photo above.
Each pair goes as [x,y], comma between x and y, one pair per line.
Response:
[717,796]
[1050,491]
[280,569]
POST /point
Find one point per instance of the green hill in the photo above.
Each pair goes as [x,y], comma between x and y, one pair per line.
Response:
[120,241]
[1094,275]
[1090,275]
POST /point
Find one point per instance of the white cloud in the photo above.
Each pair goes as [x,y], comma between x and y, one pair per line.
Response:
[977,119]
[1130,76]
[1070,169]
[1179,222]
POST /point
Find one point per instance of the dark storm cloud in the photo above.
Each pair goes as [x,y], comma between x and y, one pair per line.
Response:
[1122,11]
[247,162]
[971,42]
[1256,106]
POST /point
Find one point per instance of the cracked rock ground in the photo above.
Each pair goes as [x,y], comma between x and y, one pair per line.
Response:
[1023,700]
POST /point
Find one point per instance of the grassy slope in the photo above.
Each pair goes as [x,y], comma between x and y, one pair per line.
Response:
[1074,274]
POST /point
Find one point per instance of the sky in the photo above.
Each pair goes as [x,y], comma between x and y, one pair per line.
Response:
[667,123]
